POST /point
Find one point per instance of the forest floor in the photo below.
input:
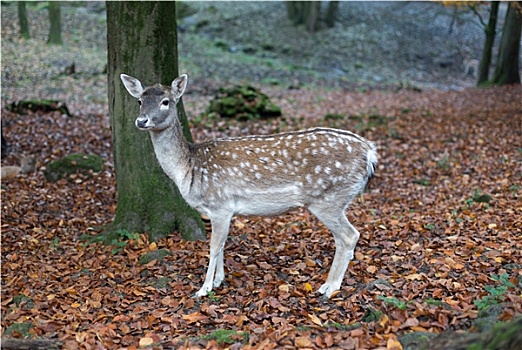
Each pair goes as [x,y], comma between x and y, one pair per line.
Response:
[441,228]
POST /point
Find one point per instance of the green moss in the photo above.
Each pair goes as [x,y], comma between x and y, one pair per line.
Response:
[23,329]
[24,301]
[162,282]
[21,107]
[155,255]
[243,103]
[71,164]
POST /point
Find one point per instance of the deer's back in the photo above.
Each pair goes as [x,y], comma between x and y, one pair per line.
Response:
[265,175]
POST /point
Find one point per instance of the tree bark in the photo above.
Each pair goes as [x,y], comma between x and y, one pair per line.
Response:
[313,9]
[485,61]
[506,70]
[304,12]
[331,13]
[503,336]
[22,20]
[142,42]
[55,31]
[30,344]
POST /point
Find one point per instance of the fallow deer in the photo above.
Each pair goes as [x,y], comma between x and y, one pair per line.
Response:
[321,169]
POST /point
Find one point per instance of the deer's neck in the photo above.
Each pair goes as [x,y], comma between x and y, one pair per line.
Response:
[172,151]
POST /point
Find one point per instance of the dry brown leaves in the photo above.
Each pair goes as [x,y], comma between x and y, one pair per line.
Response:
[426,252]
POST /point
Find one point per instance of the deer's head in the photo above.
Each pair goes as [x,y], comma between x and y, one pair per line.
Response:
[157,102]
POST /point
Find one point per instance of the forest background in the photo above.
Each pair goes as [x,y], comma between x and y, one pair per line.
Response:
[440,226]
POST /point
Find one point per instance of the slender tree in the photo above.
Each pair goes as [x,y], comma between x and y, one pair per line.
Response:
[304,12]
[331,13]
[55,31]
[142,42]
[22,20]
[490,31]
[507,67]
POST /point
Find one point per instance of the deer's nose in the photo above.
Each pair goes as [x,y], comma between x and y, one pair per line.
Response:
[142,120]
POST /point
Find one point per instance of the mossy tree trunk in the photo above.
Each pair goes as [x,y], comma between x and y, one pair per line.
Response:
[490,29]
[142,42]
[55,31]
[22,20]
[506,70]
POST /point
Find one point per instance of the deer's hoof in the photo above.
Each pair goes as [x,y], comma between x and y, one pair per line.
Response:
[202,292]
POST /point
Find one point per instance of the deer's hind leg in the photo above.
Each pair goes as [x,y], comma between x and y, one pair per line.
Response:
[345,236]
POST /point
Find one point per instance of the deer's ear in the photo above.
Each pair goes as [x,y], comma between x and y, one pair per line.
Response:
[179,85]
[132,85]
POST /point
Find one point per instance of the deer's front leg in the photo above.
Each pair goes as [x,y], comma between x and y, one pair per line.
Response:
[220,269]
[215,270]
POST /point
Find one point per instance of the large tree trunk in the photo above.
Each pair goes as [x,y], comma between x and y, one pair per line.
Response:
[22,20]
[142,41]
[55,32]
[506,70]
[485,61]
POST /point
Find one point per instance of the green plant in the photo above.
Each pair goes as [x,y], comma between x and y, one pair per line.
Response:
[496,293]
[422,181]
[371,315]
[434,302]
[444,163]
[481,197]
[344,327]
[213,297]
[401,305]
[55,242]
[429,227]
[118,238]
[227,336]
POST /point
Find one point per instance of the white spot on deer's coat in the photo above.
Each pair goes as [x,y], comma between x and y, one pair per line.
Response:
[318,169]
[258,175]
[309,178]
[338,164]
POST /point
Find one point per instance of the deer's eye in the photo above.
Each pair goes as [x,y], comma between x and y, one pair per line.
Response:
[165,102]
[139,102]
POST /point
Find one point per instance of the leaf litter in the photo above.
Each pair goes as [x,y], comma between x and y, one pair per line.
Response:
[429,255]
